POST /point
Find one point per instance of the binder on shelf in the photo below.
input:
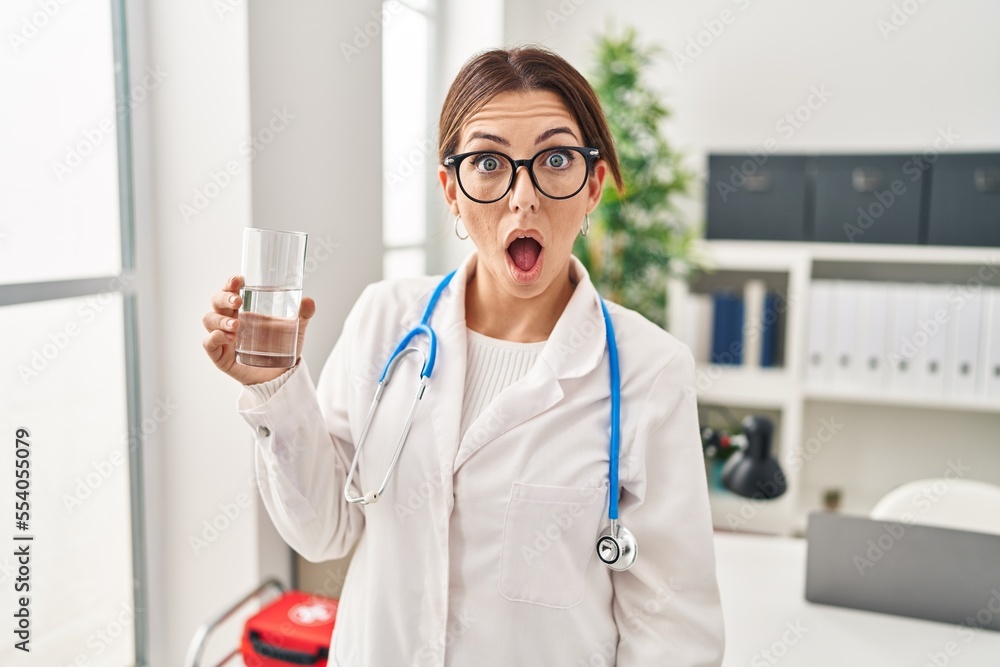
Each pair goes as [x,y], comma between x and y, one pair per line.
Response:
[903,355]
[736,332]
[696,329]
[772,331]
[873,311]
[754,293]
[727,329]
[932,336]
[991,334]
[720,325]
[691,321]
[965,316]
[818,315]
[843,350]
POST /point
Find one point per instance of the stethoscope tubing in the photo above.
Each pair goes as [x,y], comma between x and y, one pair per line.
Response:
[386,376]
[427,369]
[616,401]
[425,373]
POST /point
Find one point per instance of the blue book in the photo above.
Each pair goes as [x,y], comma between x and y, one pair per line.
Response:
[727,328]
[767,331]
[720,326]
[736,332]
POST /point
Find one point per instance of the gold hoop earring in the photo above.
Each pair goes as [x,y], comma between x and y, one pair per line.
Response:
[586,225]
[458,219]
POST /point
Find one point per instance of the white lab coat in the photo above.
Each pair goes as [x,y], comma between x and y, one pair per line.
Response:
[481,552]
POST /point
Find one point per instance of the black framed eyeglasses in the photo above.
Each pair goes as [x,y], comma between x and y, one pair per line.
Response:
[558,172]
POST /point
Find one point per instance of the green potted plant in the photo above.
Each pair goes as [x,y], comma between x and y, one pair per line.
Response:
[637,240]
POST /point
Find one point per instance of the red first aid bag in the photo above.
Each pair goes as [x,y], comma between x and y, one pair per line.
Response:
[295,629]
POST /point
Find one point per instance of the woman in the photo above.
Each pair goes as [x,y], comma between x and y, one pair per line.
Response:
[481,551]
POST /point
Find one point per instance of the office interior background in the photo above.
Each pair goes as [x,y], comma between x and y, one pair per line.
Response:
[140,138]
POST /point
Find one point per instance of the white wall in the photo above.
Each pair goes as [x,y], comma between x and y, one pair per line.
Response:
[323,174]
[465,28]
[227,71]
[938,70]
[199,457]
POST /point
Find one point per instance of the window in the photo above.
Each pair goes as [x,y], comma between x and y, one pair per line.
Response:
[68,372]
[409,135]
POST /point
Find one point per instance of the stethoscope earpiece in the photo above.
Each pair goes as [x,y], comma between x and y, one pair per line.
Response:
[617,548]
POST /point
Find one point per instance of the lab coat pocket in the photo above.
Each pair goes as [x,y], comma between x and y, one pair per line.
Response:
[548,539]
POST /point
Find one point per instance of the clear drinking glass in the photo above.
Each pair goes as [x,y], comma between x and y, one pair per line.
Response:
[272,268]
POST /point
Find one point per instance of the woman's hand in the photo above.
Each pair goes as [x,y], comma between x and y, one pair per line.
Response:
[222,323]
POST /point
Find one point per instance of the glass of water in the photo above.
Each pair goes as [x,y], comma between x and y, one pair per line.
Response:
[272,269]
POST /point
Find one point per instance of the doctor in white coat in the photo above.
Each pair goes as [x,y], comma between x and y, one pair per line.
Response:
[481,551]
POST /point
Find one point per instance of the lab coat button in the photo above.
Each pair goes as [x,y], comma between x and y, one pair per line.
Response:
[263,431]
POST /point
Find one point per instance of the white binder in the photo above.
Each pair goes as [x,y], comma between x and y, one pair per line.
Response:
[903,355]
[965,318]
[991,334]
[873,315]
[844,347]
[816,363]
[753,307]
[696,329]
[932,336]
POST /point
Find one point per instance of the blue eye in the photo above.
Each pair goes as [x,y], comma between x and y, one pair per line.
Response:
[487,163]
[557,160]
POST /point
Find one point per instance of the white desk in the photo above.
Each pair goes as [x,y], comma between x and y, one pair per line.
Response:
[762,583]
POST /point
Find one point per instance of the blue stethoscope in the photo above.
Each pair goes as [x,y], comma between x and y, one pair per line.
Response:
[616,546]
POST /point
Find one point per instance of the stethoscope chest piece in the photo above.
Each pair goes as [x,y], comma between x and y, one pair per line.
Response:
[617,548]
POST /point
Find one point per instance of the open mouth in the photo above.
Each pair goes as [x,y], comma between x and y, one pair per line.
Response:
[524,257]
[524,251]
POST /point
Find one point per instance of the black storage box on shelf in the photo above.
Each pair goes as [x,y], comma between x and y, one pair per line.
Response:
[965,200]
[868,198]
[760,198]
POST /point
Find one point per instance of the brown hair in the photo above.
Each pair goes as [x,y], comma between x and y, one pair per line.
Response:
[523,69]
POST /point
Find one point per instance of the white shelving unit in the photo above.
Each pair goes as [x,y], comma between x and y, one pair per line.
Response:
[882,439]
